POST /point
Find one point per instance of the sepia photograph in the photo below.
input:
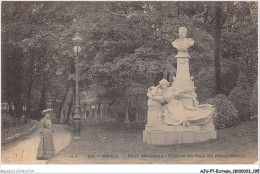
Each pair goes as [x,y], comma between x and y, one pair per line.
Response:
[129,82]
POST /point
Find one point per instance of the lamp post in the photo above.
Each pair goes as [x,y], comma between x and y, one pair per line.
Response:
[77,40]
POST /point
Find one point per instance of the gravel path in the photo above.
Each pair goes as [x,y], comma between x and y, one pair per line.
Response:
[25,152]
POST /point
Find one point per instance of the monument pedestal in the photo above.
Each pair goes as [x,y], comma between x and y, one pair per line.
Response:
[170,135]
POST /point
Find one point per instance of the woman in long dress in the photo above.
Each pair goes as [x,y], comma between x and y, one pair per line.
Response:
[46,148]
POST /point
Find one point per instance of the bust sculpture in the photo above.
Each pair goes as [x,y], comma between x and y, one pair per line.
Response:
[182,44]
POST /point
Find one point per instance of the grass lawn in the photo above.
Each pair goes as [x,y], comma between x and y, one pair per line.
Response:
[120,143]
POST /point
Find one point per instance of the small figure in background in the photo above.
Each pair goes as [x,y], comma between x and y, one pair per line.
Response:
[46,148]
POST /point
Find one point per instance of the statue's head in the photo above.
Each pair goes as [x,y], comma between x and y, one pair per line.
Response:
[164,83]
[182,32]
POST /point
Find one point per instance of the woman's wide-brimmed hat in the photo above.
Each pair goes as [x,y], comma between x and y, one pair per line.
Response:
[47,110]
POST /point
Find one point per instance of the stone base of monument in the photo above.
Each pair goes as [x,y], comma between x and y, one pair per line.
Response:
[169,135]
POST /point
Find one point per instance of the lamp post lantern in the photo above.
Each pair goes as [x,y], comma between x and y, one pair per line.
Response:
[77,40]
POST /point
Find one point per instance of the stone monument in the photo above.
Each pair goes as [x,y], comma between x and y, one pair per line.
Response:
[154,103]
[182,119]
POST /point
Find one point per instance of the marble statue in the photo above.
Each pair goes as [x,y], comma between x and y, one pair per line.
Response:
[185,120]
[154,111]
[174,114]
[182,44]
[179,113]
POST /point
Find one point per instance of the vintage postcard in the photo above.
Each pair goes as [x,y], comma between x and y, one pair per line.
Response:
[141,82]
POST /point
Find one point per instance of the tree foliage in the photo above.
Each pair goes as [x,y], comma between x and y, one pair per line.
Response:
[125,44]
[240,96]
[227,114]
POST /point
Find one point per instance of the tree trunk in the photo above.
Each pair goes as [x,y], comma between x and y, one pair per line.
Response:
[217,36]
[10,109]
[73,84]
[72,99]
[69,111]
[18,109]
[42,103]
[99,109]
[62,102]
[6,83]
[29,90]
[128,105]
[85,111]
[90,110]
[17,82]
[28,99]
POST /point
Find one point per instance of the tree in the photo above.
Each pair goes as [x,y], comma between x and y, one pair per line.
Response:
[218,25]
[30,29]
[125,43]
[217,18]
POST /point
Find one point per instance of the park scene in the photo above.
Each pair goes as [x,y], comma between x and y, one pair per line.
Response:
[129,82]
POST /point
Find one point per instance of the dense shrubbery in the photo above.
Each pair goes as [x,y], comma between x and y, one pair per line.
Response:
[227,114]
[240,96]
[8,121]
